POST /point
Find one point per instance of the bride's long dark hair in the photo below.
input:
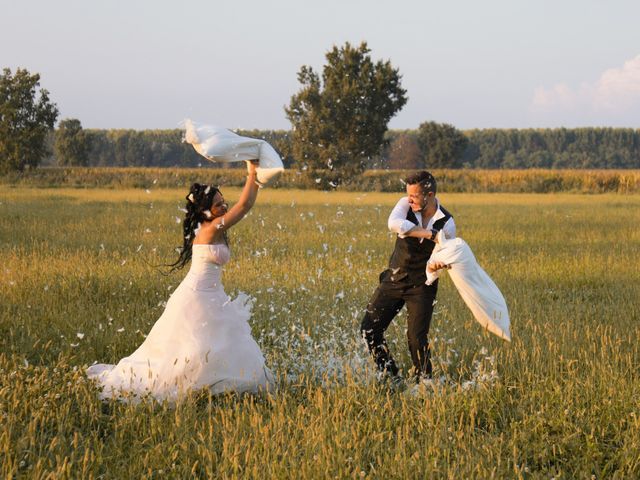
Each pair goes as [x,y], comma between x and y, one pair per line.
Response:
[199,201]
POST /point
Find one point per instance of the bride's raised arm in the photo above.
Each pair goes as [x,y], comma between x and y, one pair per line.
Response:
[244,203]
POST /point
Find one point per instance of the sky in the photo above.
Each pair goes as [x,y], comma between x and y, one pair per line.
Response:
[474,64]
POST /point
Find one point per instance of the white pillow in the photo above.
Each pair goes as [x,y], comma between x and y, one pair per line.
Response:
[476,288]
[222,145]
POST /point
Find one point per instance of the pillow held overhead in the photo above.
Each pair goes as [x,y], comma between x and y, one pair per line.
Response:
[221,145]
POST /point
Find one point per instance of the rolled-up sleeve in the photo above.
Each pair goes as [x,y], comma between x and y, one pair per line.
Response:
[398,222]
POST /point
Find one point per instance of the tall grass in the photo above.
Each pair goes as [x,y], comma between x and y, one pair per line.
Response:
[78,285]
[451,181]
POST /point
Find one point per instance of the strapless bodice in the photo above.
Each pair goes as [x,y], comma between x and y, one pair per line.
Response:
[206,266]
[218,253]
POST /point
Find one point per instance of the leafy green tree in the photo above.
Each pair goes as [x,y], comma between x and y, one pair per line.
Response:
[71,145]
[339,121]
[26,116]
[443,145]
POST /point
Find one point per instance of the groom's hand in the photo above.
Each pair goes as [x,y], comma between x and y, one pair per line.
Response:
[435,266]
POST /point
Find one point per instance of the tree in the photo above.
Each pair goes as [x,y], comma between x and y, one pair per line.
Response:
[404,153]
[443,145]
[71,143]
[340,121]
[26,115]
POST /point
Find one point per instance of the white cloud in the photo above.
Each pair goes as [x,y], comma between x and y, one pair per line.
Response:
[618,86]
[614,96]
[559,96]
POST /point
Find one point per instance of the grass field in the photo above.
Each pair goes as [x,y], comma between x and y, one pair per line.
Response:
[562,400]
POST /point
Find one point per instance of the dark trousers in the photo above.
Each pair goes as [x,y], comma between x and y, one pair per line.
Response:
[386,302]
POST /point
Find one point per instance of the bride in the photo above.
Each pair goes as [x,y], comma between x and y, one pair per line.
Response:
[203,339]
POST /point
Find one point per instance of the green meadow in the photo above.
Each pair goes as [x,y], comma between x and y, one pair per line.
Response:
[81,281]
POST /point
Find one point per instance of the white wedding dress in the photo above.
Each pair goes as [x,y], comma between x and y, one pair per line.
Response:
[202,340]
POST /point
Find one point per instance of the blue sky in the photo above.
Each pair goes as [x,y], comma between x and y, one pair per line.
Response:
[491,64]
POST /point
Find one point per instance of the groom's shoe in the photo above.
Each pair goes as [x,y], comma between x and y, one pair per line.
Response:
[423,385]
[397,383]
[394,382]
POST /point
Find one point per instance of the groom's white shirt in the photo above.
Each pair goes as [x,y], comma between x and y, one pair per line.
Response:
[399,224]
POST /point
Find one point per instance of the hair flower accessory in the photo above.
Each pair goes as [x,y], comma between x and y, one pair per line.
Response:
[191,198]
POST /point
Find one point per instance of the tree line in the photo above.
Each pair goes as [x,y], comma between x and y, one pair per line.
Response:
[339,120]
[435,145]
[431,146]
[139,148]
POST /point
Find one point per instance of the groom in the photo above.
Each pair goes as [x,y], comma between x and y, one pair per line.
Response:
[416,219]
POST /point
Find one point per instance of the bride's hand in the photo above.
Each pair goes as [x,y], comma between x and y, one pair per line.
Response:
[251,166]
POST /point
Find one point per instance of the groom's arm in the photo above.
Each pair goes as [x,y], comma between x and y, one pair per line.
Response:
[397,221]
[419,232]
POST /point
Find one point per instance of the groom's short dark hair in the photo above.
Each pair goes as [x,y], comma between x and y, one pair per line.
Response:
[425,179]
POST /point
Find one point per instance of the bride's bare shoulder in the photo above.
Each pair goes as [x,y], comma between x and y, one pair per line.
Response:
[204,233]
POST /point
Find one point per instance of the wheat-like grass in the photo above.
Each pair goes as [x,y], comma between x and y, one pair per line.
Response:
[77,286]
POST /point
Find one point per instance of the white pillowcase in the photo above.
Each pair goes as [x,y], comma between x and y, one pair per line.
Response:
[222,145]
[476,288]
